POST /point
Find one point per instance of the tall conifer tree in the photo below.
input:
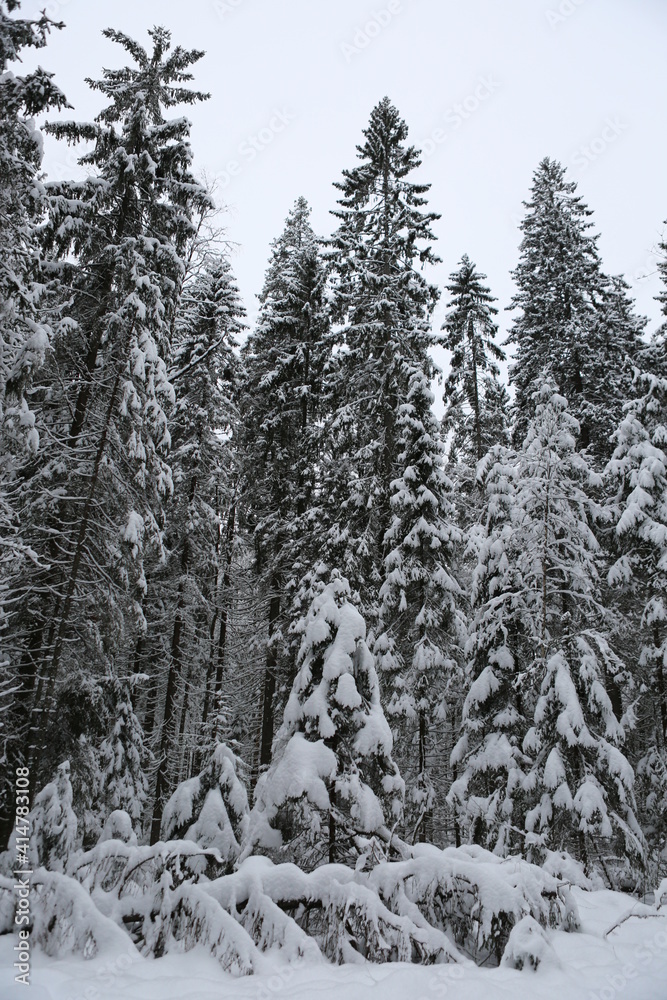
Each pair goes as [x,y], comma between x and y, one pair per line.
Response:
[470,332]
[575,324]
[285,357]
[384,304]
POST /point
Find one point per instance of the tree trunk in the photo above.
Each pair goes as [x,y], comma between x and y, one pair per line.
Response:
[169,701]
[660,678]
[423,833]
[266,741]
[48,688]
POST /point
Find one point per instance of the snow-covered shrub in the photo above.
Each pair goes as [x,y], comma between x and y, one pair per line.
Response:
[7,904]
[332,776]
[152,893]
[176,920]
[400,911]
[212,808]
[123,869]
[66,920]
[474,896]
[118,826]
[333,906]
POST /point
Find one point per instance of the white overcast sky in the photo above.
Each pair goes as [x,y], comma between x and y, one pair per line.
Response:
[579,80]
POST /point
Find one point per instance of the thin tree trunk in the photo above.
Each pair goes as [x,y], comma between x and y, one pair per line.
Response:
[660,678]
[266,739]
[52,672]
[169,700]
[422,771]
[181,728]
[478,427]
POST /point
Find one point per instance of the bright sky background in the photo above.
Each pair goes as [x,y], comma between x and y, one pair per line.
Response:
[579,80]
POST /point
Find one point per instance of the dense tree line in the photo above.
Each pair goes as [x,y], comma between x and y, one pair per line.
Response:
[240,561]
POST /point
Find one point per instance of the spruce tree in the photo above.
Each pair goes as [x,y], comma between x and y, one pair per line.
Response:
[420,593]
[332,778]
[26,309]
[637,472]
[488,757]
[124,760]
[205,372]
[53,824]
[115,241]
[540,625]
[383,304]
[285,358]
[569,313]
[662,270]
[211,808]
[24,336]
[470,332]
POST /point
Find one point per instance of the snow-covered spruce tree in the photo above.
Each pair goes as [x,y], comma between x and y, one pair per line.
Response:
[383,304]
[115,242]
[470,332]
[205,373]
[24,336]
[638,473]
[284,358]
[500,653]
[419,597]
[53,824]
[540,625]
[569,312]
[332,780]
[24,329]
[123,760]
[211,808]
[654,356]
[662,269]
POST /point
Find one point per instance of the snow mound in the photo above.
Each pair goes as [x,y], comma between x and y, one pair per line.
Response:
[528,947]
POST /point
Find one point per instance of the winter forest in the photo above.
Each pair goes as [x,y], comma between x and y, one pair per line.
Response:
[293,672]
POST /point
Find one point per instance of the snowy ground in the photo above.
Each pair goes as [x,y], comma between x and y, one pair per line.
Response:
[630,963]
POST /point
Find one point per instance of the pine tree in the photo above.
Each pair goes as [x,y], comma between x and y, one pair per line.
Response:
[470,332]
[332,778]
[638,471]
[420,592]
[383,304]
[285,357]
[570,312]
[115,241]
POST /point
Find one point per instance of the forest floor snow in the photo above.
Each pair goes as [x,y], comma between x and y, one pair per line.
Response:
[596,963]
